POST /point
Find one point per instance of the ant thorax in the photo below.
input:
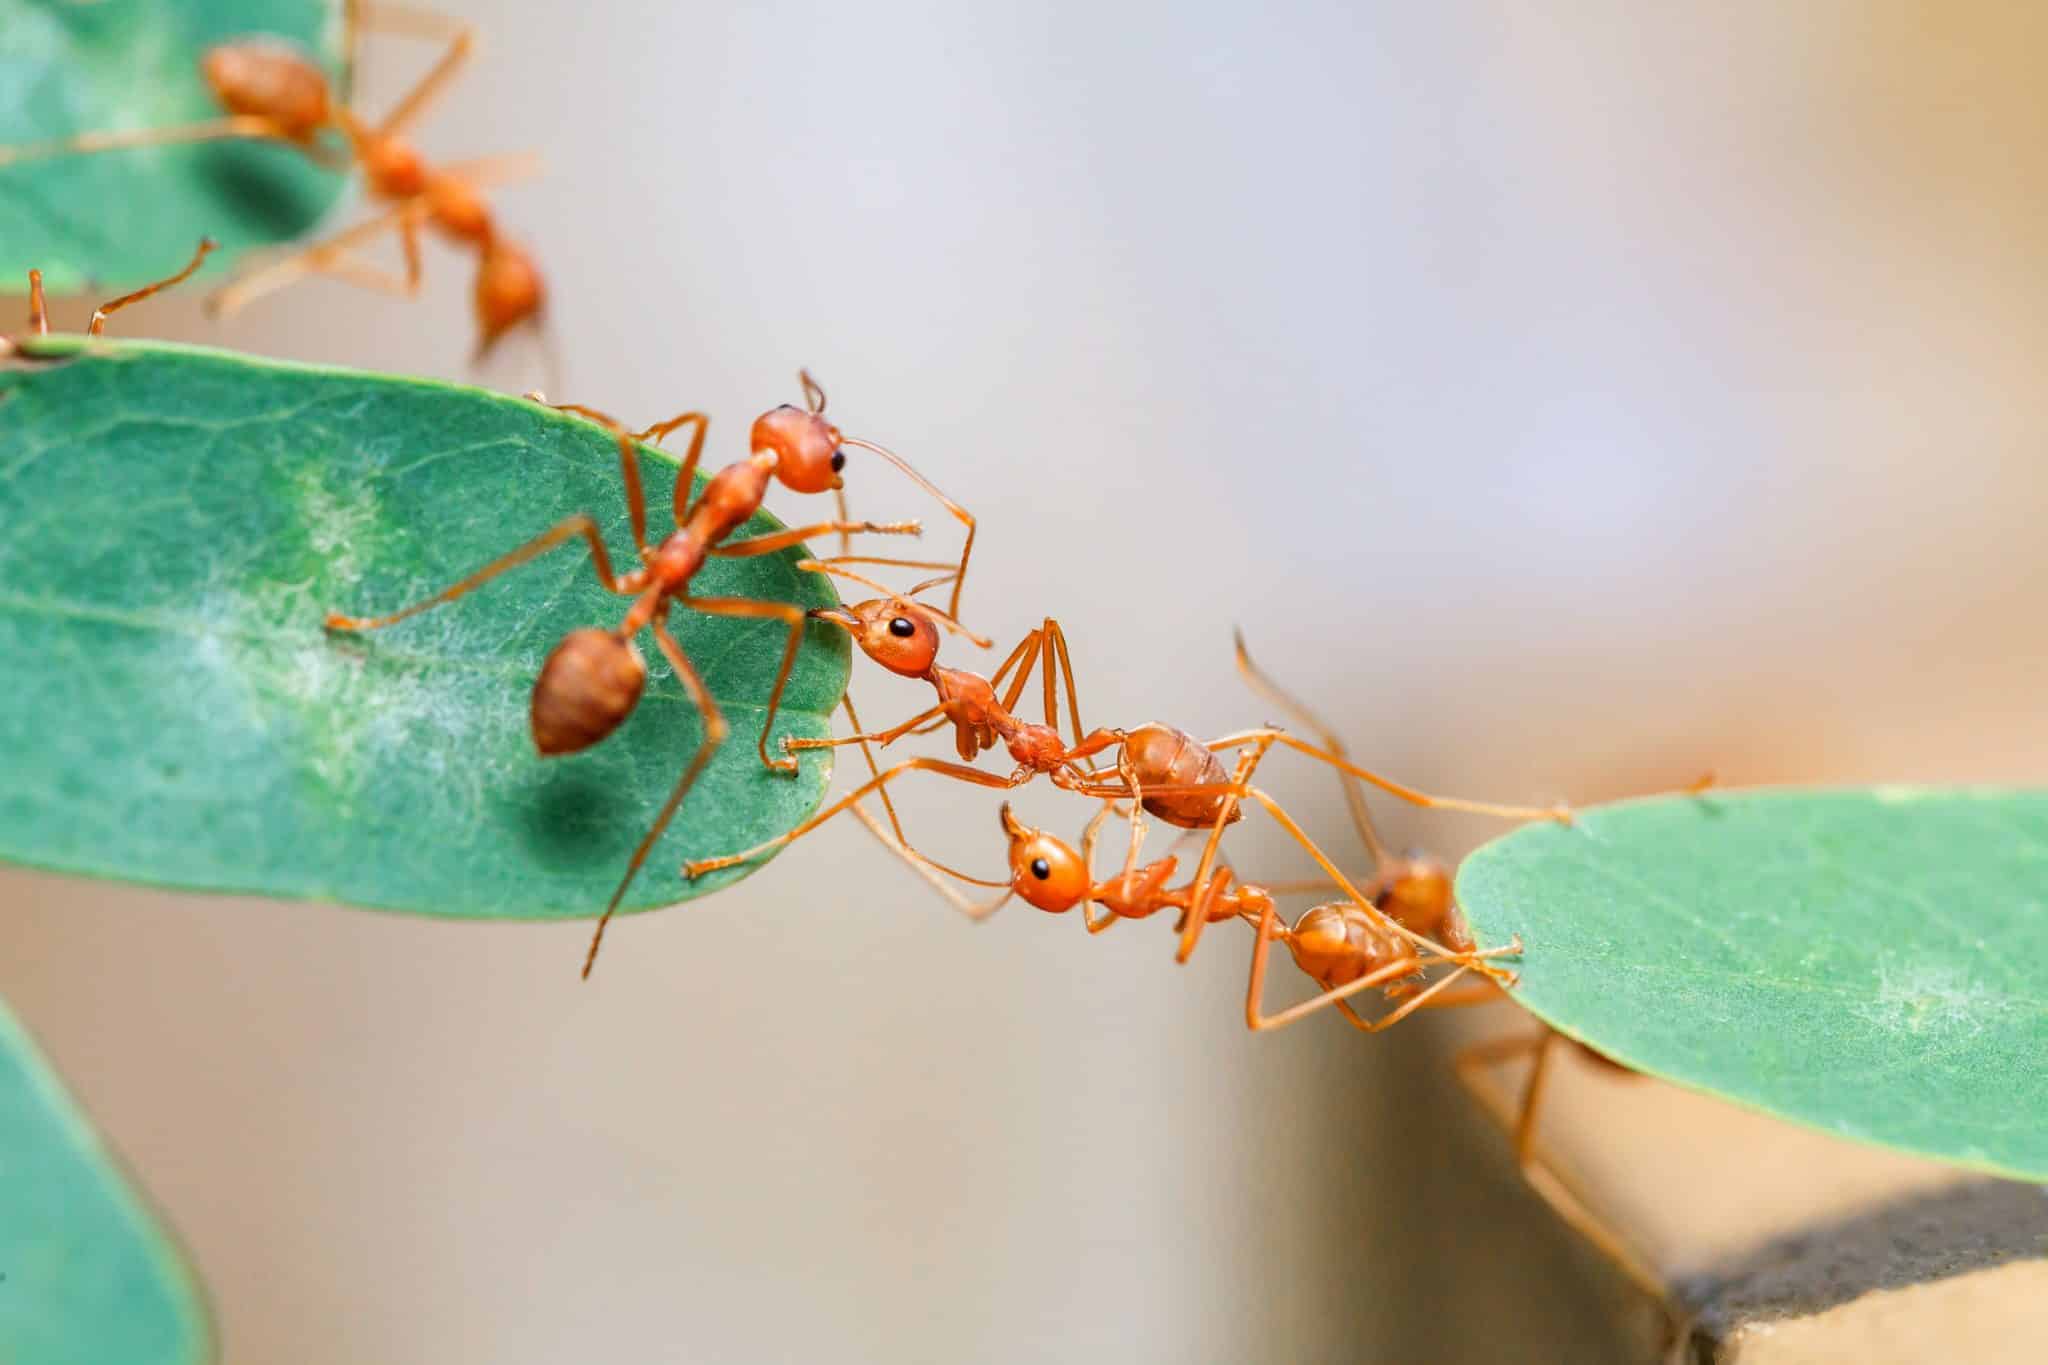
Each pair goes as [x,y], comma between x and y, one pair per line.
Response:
[733,494]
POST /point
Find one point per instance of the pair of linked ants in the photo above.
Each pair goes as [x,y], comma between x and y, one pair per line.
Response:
[271,91]
[1387,930]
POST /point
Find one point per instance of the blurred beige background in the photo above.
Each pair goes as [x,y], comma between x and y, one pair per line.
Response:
[1567,402]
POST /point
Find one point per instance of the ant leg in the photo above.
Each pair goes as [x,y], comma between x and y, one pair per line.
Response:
[796,535]
[960,513]
[685,476]
[791,616]
[1561,814]
[882,737]
[210,130]
[404,21]
[1255,1017]
[1471,993]
[1191,932]
[867,754]
[578,525]
[311,260]
[1023,658]
[489,172]
[629,469]
[946,577]
[1427,998]
[699,867]
[1354,793]
[1057,640]
[714,735]
[341,263]
[1137,797]
[1540,1169]
[1088,838]
[101,313]
[929,870]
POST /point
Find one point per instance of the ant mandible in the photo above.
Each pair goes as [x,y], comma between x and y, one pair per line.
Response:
[594,677]
[273,91]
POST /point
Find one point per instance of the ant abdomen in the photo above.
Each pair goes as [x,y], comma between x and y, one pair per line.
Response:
[589,684]
[1163,756]
[508,291]
[1338,943]
[1415,892]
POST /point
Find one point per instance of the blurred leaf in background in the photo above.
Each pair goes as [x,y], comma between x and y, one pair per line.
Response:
[86,1273]
[174,525]
[1871,962]
[119,219]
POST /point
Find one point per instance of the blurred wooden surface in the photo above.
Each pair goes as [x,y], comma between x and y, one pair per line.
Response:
[1787,1246]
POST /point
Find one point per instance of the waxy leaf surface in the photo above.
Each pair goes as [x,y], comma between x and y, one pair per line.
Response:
[86,1274]
[1872,962]
[175,523]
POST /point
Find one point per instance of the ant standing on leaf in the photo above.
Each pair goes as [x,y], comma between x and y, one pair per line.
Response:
[39,313]
[593,679]
[273,91]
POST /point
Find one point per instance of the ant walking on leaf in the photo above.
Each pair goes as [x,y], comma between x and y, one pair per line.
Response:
[273,91]
[593,679]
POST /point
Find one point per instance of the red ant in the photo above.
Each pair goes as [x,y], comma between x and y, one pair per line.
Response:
[39,313]
[1345,948]
[272,90]
[1165,771]
[594,677]
[1417,891]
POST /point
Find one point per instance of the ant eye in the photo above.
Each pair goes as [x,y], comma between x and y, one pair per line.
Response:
[901,628]
[1040,868]
[838,460]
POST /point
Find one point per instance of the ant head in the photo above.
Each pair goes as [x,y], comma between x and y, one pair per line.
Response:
[1415,891]
[1043,870]
[807,454]
[1338,943]
[268,79]
[509,291]
[894,633]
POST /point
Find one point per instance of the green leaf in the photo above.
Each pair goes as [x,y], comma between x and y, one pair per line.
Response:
[1873,963]
[119,219]
[174,524]
[86,1273]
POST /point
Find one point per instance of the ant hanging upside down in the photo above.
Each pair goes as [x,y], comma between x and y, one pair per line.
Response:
[1162,770]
